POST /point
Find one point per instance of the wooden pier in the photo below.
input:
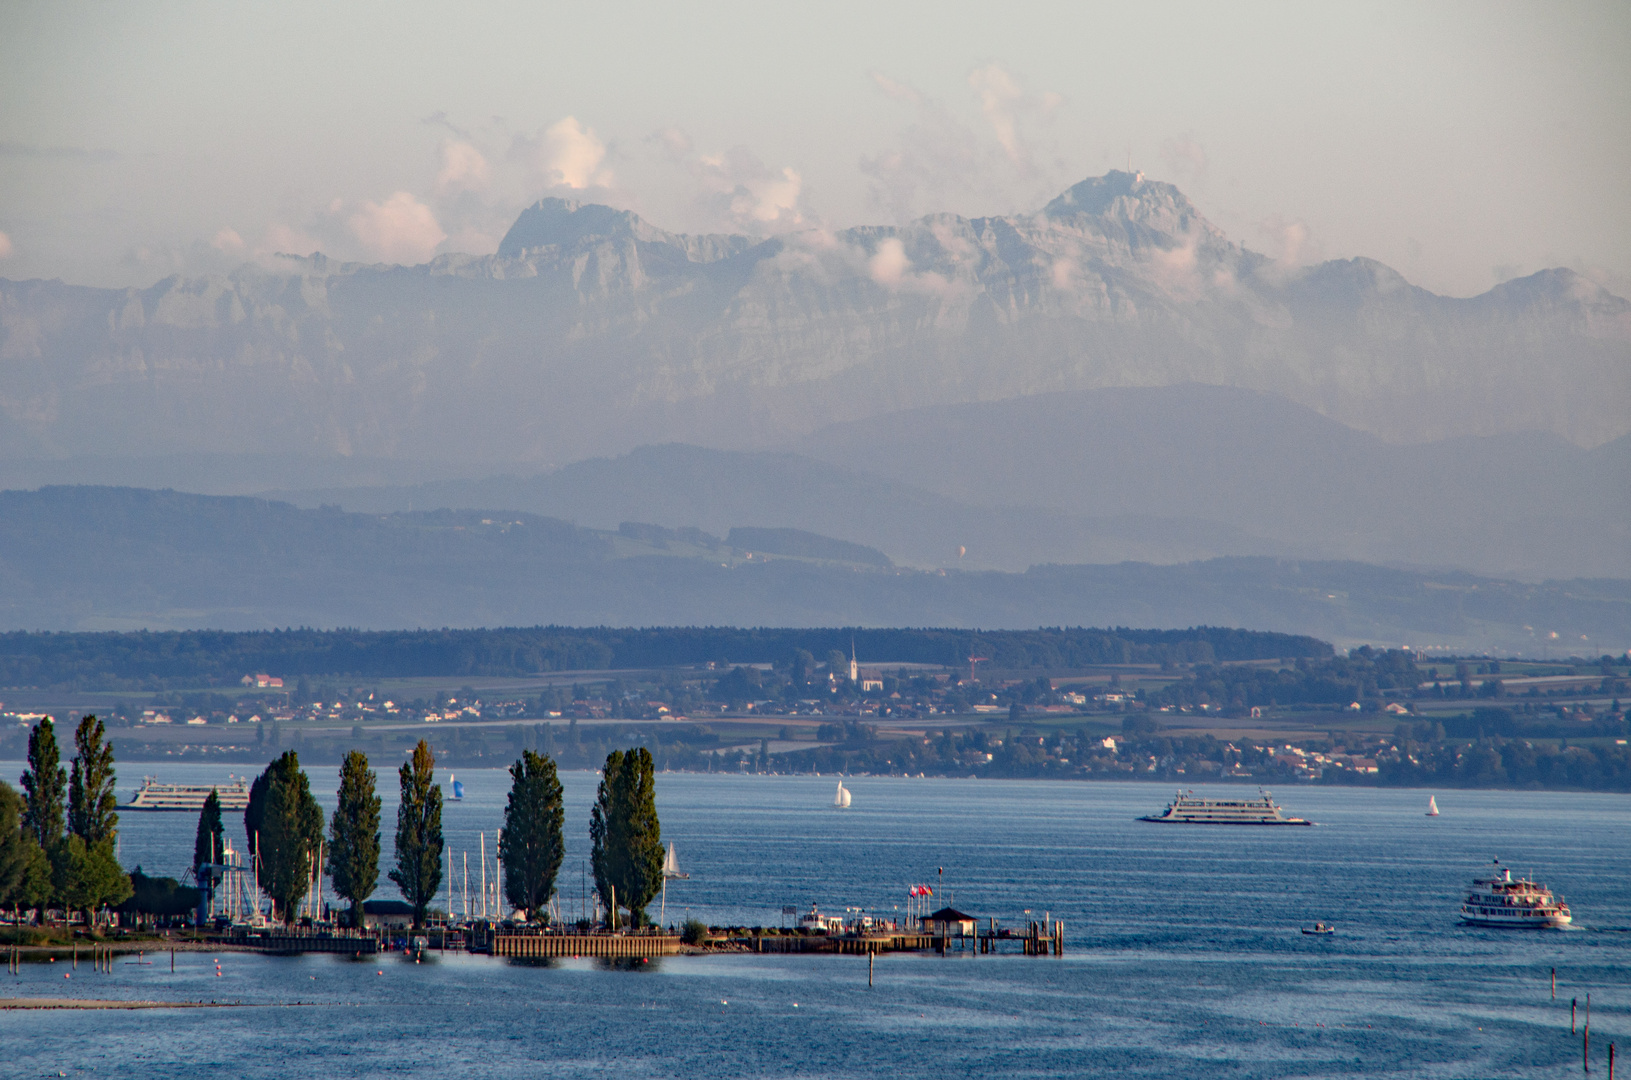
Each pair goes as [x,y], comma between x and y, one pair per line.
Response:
[290,941]
[537,945]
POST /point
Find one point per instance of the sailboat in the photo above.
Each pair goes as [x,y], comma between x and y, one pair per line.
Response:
[458,788]
[671,869]
[841,796]
[1432,806]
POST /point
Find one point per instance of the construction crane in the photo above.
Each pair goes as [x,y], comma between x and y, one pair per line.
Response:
[975,660]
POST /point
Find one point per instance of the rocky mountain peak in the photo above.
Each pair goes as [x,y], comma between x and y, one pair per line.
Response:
[563,223]
[1129,197]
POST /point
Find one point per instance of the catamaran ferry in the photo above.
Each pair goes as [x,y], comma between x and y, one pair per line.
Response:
[1186,809]
[153,795]
[1522,904]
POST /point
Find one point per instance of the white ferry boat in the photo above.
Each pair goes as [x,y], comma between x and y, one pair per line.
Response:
[1186,809]
[1522,904]
[153,795]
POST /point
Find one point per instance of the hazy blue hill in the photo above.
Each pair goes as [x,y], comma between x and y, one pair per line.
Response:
[107,558]
[1522,503]
[806,544]
[717,490]
[1153,474]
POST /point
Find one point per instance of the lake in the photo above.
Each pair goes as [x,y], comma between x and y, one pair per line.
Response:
[1184,954]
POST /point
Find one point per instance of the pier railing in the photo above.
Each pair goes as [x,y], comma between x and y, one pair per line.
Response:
[542,943]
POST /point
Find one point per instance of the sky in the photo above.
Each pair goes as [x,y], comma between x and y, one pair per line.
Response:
[1461,143]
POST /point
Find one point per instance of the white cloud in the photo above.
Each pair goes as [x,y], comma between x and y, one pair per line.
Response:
[280,239]
[890,267]
[464,168]
[1001,99]
[401,229]
[1185,159]
[897,90]
[565,154]
[939,159]
[473,241]
[5,246]
[889,264]
[1291,243]
[739,191]
[227,241]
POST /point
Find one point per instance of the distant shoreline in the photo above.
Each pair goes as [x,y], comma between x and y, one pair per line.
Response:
[106,1003]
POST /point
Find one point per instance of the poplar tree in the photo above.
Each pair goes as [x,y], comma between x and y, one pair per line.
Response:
[625,835]
[208,841]
[45,784]
[86,873]
[418,870]
[532,845]
[285,826]
[93,806]
[353,835]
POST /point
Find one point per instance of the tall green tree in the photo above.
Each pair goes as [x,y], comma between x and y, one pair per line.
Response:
[626,837]
[88,876]
[18,848]
[45,784]
[288,827]
[532,845]
[353,835]
[209,840]
[93,805]
[418,870]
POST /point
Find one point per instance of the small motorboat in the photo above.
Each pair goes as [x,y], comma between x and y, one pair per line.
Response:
[1320,928]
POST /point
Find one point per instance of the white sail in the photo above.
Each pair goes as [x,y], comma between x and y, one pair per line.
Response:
[840,797]
[846,796]
[1432,806]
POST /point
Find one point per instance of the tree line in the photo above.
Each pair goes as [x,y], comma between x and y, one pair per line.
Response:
[285,827]
[154,660]
[57,836]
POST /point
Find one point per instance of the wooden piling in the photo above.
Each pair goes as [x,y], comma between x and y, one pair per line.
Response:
[1554,984]
[1573,1004]
[870,957]
[1610,1061]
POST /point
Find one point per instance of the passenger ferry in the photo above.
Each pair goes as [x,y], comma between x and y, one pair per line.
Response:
[153,795]
[1186,809]
[1522,904]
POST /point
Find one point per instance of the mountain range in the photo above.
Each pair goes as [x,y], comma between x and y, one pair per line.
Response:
[1166,474]
[591,332]
[90,558]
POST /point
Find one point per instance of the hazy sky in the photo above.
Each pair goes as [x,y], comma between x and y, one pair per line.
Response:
[1462,143]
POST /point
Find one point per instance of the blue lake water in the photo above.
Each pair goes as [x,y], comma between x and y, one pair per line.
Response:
[1184,952]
